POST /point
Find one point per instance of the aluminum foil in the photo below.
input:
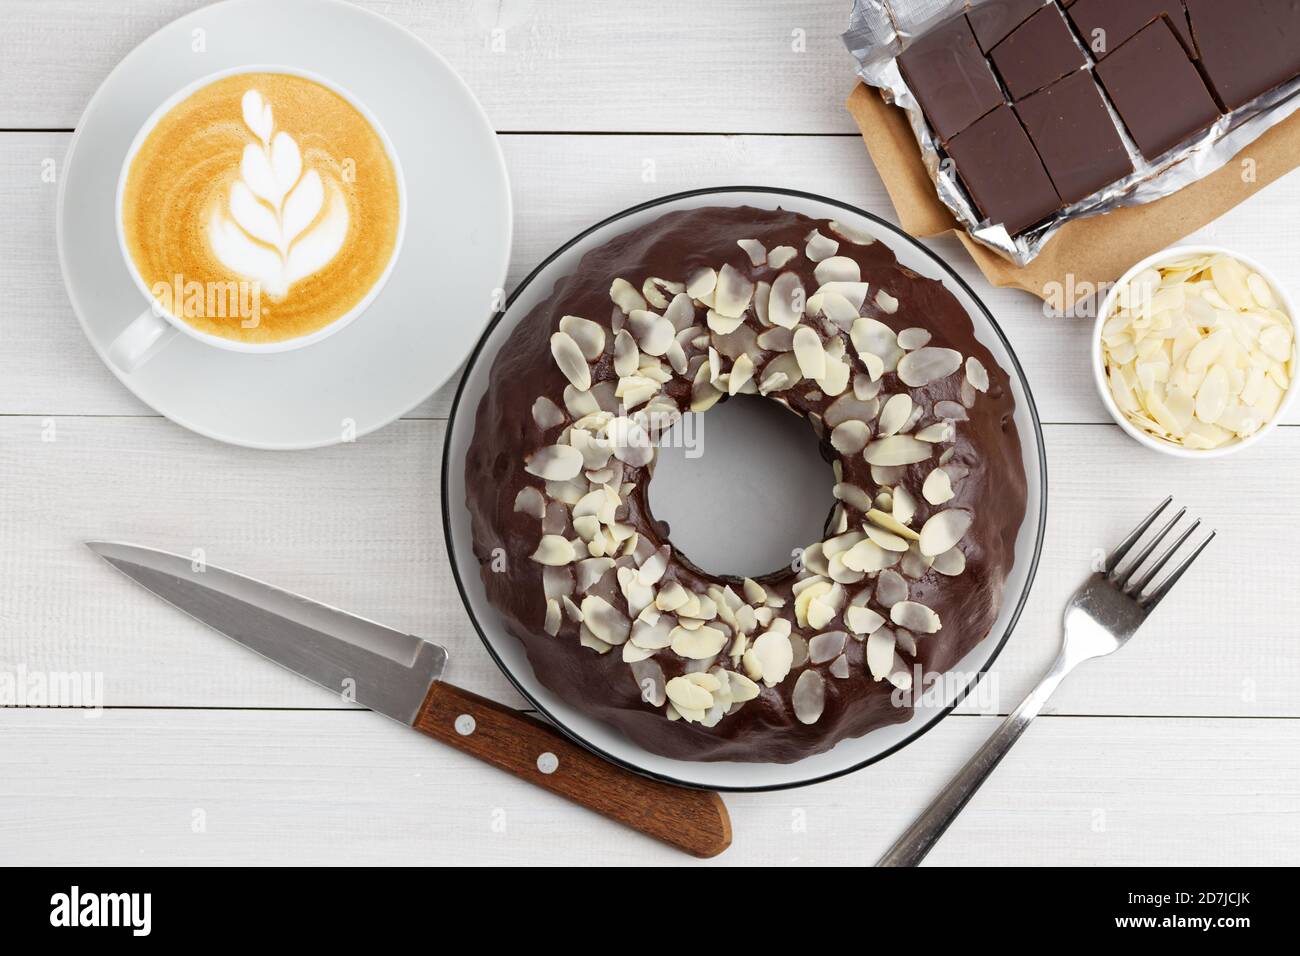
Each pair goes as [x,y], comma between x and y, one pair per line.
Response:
[879,30]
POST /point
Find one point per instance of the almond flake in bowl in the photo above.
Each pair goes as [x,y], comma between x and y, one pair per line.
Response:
[1195,352]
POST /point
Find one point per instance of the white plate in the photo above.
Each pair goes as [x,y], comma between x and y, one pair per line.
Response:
[848,755]
[443,287]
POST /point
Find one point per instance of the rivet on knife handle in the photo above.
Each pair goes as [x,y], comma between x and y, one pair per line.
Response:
[692,820]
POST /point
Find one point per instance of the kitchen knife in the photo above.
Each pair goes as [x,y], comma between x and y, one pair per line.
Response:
[400,676]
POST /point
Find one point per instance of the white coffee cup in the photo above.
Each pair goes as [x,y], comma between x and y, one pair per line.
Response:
[145,336]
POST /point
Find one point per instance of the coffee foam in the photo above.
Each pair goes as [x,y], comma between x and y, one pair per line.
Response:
[269,179]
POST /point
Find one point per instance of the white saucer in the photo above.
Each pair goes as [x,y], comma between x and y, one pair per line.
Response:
[442,291]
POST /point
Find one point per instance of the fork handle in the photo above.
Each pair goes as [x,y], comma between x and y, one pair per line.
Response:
[921,836]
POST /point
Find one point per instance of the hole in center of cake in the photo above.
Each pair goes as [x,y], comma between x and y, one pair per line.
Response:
[741,487]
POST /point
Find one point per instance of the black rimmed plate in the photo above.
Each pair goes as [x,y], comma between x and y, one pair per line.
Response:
[847,755]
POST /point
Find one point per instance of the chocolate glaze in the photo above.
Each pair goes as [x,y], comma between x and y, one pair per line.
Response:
[1037,53]
[763,729]
[993,20]
[1114,21]
[1004,174]
[1247,47]
[1158,92]
[947,72]
[1075,138]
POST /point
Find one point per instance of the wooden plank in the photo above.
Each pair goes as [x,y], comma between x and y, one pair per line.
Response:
[561,185]
[677,66]
[356,526]
[359,526]
[1217,645]
[249,787]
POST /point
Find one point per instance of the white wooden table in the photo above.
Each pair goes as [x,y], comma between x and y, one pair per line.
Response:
[1184,748]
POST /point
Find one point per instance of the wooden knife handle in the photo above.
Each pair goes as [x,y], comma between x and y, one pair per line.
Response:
[692,820]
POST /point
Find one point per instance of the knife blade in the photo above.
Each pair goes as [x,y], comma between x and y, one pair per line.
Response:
[400,676]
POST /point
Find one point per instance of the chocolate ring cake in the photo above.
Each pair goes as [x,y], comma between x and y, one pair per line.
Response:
[913,413]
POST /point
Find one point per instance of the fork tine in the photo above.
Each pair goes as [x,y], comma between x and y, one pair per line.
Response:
[1140,585]
[1155,597]
[1117,555]
[1123,579]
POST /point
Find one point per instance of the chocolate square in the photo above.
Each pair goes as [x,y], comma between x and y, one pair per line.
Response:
[1105,25]
[1075,136]
[992,20]
[1247,47]
[1159,94]
[1037,53]
[950,78]
[1003,173]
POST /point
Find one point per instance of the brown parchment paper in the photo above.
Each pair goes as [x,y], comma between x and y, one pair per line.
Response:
[1087,253]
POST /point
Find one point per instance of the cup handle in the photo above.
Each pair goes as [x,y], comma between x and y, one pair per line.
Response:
[140,341]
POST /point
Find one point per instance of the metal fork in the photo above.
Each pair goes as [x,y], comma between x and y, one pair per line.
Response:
[1099,620]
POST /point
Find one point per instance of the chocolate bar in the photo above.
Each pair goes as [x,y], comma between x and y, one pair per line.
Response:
[1008,89]
[1159,94]
[1038,52]
[1247,47]
[1106,25]
[1001,170]
[1072,130]
[992,20]
[950,78]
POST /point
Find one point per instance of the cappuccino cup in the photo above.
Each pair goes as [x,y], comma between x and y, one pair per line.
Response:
[259,209]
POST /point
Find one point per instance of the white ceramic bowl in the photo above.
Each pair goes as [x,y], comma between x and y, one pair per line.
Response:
[850,754]
[1099,364]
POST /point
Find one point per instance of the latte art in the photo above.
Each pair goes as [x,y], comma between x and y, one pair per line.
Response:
[281,224]
[268,180]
